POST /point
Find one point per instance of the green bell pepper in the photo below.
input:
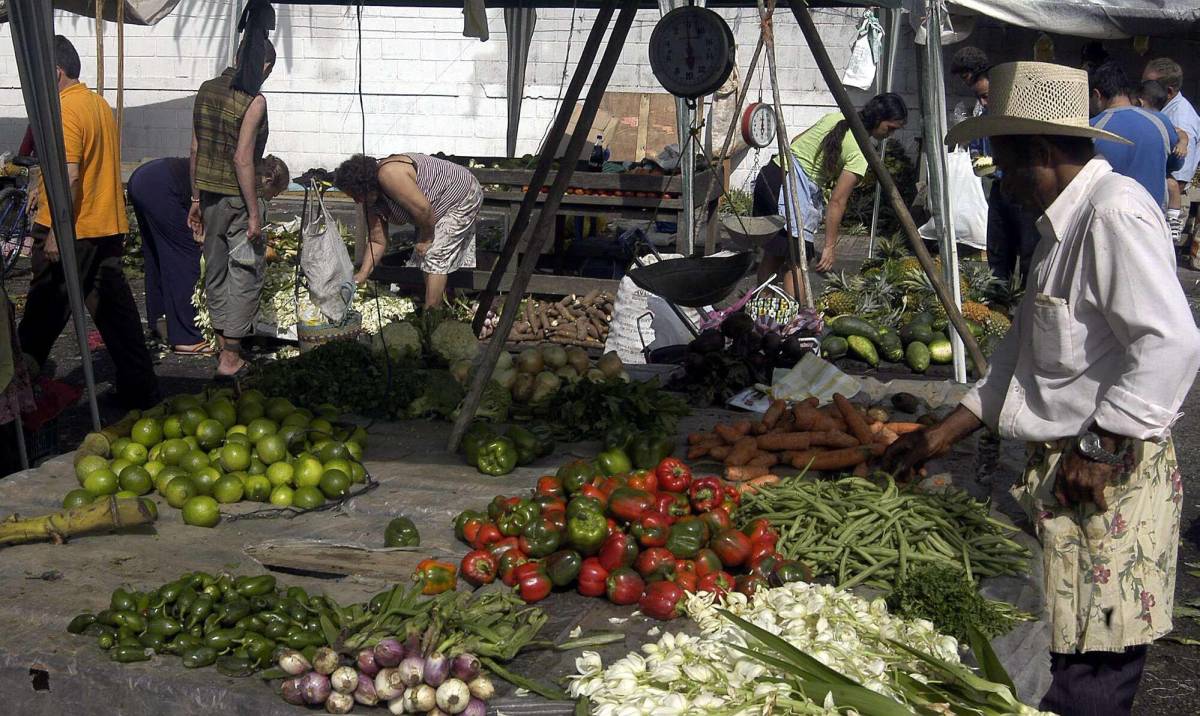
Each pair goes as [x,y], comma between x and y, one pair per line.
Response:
[497,456]
[563,567]
[460,522]
[576,474]
[586,530]
[687,538]
[474,439]
[618,437]
[613,462]
[540,537]
[583,503]
[646,450]
[515,519]
[401,532]
[529,446]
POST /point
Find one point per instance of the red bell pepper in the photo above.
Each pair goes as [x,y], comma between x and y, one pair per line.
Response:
[627,503]
[486,535]
[435,576]
[748,584]
[506,544]
[550,485]
[717,520]
[592,578]
[613,528]
[643,480]
[732,547]
[655,564]
[760,552]
[662,600]
[706,493]
[595,493]
[610,484]
[673,475]
[550,502]
[557,515]
[719,583]
[673,505]
[509,562]
[651,530]
[760,530]
[733,496]
[479,568]
[618,550]
[532,583]
[685,575]
[707,562]
[624,586]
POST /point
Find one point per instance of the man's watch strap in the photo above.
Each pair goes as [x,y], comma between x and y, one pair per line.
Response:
[1090,446]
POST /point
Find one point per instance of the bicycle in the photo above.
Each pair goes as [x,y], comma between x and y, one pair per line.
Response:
[15,219]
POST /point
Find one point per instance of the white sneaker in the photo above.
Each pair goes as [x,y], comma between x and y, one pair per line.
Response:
[1175,224]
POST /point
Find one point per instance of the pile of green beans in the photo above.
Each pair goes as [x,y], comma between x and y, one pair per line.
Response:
[860,532]
[236,623]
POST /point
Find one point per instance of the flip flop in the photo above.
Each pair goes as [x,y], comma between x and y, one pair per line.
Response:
[233,377]
[196,349]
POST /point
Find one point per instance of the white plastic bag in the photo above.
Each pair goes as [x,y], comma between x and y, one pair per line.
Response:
[967,201]
[865,54]
[325,261]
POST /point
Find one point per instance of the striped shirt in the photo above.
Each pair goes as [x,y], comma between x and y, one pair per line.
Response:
[445,184]
[217,121]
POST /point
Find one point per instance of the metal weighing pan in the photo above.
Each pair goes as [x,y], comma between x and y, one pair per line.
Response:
[694,282]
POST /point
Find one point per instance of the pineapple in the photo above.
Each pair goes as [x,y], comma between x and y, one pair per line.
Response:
[841,294]
[976,279]
[975,311]
[996,325]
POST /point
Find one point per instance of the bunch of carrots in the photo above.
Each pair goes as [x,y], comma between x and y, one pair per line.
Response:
[839,437]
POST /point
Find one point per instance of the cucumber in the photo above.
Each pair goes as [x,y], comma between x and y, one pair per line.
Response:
[892,348]
[834,347]
[863,349]
[975,328]
[917,356]
[939,324]
[924,318]
[846,326]
[916,332]
[940,351]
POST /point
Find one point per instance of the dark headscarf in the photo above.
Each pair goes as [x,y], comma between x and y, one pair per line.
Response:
[258,19]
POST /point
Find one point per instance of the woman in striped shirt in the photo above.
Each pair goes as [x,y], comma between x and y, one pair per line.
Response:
[439,198]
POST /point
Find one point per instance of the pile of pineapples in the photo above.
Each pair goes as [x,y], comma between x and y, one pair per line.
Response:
[891,290]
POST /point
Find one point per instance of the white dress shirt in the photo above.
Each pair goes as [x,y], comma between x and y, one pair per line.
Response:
[1104,333]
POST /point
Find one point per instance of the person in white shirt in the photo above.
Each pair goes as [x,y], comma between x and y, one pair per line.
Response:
[1183,115]
[1099,359]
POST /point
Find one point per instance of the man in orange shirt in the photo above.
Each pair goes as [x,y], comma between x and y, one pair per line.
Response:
[93,155]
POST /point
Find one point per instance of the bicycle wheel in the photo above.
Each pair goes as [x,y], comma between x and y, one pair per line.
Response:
[13,225]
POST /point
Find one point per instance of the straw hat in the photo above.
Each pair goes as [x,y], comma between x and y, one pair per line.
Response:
[1033,98]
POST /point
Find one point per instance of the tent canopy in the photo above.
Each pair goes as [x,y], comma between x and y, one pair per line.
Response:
[137,12]
[1097,19]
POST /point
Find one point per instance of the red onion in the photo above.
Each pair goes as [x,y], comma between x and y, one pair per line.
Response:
[293,662]
[437,668]
[344,680]
[292,693]
[388,685]
[366,662]
[411,670]
[388,652]
[465,666]
[339,703]
[412,645]
[325,661]
[475,707]
[365,693]
[315,687]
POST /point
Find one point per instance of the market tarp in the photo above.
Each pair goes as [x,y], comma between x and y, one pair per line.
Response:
[137,12]
[1099,19]
[518,24]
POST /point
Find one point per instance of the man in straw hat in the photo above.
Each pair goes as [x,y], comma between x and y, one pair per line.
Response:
[1101,355]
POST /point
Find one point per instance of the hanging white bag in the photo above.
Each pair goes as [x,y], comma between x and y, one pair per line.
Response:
[967,202]
[864,55]
[324,260]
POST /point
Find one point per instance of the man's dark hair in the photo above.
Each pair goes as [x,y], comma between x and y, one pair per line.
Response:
[358,175]
[1153,94]
[65,57]
[268,51]
[1092,55]
[1077,149]
[1110,80]
[970,61]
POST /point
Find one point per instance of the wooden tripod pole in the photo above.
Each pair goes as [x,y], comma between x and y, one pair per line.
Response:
[916,243]
[546,219]
[516,232]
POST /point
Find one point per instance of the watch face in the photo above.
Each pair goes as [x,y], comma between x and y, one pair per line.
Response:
[760,125]
[690,51]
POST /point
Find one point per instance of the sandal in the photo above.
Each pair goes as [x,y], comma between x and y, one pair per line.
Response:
[233,377]
[195,349]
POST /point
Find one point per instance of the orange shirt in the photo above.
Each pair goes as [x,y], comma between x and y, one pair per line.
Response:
[90,139]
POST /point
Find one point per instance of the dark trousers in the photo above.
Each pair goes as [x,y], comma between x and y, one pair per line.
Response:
[172,256]
[1094,683]
[1012,236]
[109,300]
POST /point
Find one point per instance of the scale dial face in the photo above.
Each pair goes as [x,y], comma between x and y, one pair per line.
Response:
[758,125]
[691,51]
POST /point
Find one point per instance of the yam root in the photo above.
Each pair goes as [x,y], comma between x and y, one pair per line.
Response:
[743,451]
[808,418]
[697,438]
[696,452]
[735,473]
[773,414]
[836,459]
[836,439]
[904,428]
[854,419]
[752,485]
[784,441]
[730,433]
[719,453]
[886,437]
[763,459]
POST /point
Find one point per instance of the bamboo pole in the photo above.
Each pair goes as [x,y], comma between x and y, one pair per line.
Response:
[100,46]
[813,37]
[516,232]
[108,513]
[562,179]
[120,70]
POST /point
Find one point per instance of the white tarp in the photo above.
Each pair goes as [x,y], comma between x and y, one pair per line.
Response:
[1099,19]
[137,12]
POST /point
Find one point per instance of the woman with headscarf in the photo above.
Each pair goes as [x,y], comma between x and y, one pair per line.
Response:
[439,198]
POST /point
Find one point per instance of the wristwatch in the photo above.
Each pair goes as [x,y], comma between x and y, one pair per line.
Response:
[1090,447]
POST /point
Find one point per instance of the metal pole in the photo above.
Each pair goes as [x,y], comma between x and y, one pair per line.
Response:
[887,68]
[516,232]
[546,219]
[830,74]
[685,120]
[934,90]
[32,23]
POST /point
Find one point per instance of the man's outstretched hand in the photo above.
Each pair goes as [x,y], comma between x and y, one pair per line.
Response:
[905,457]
